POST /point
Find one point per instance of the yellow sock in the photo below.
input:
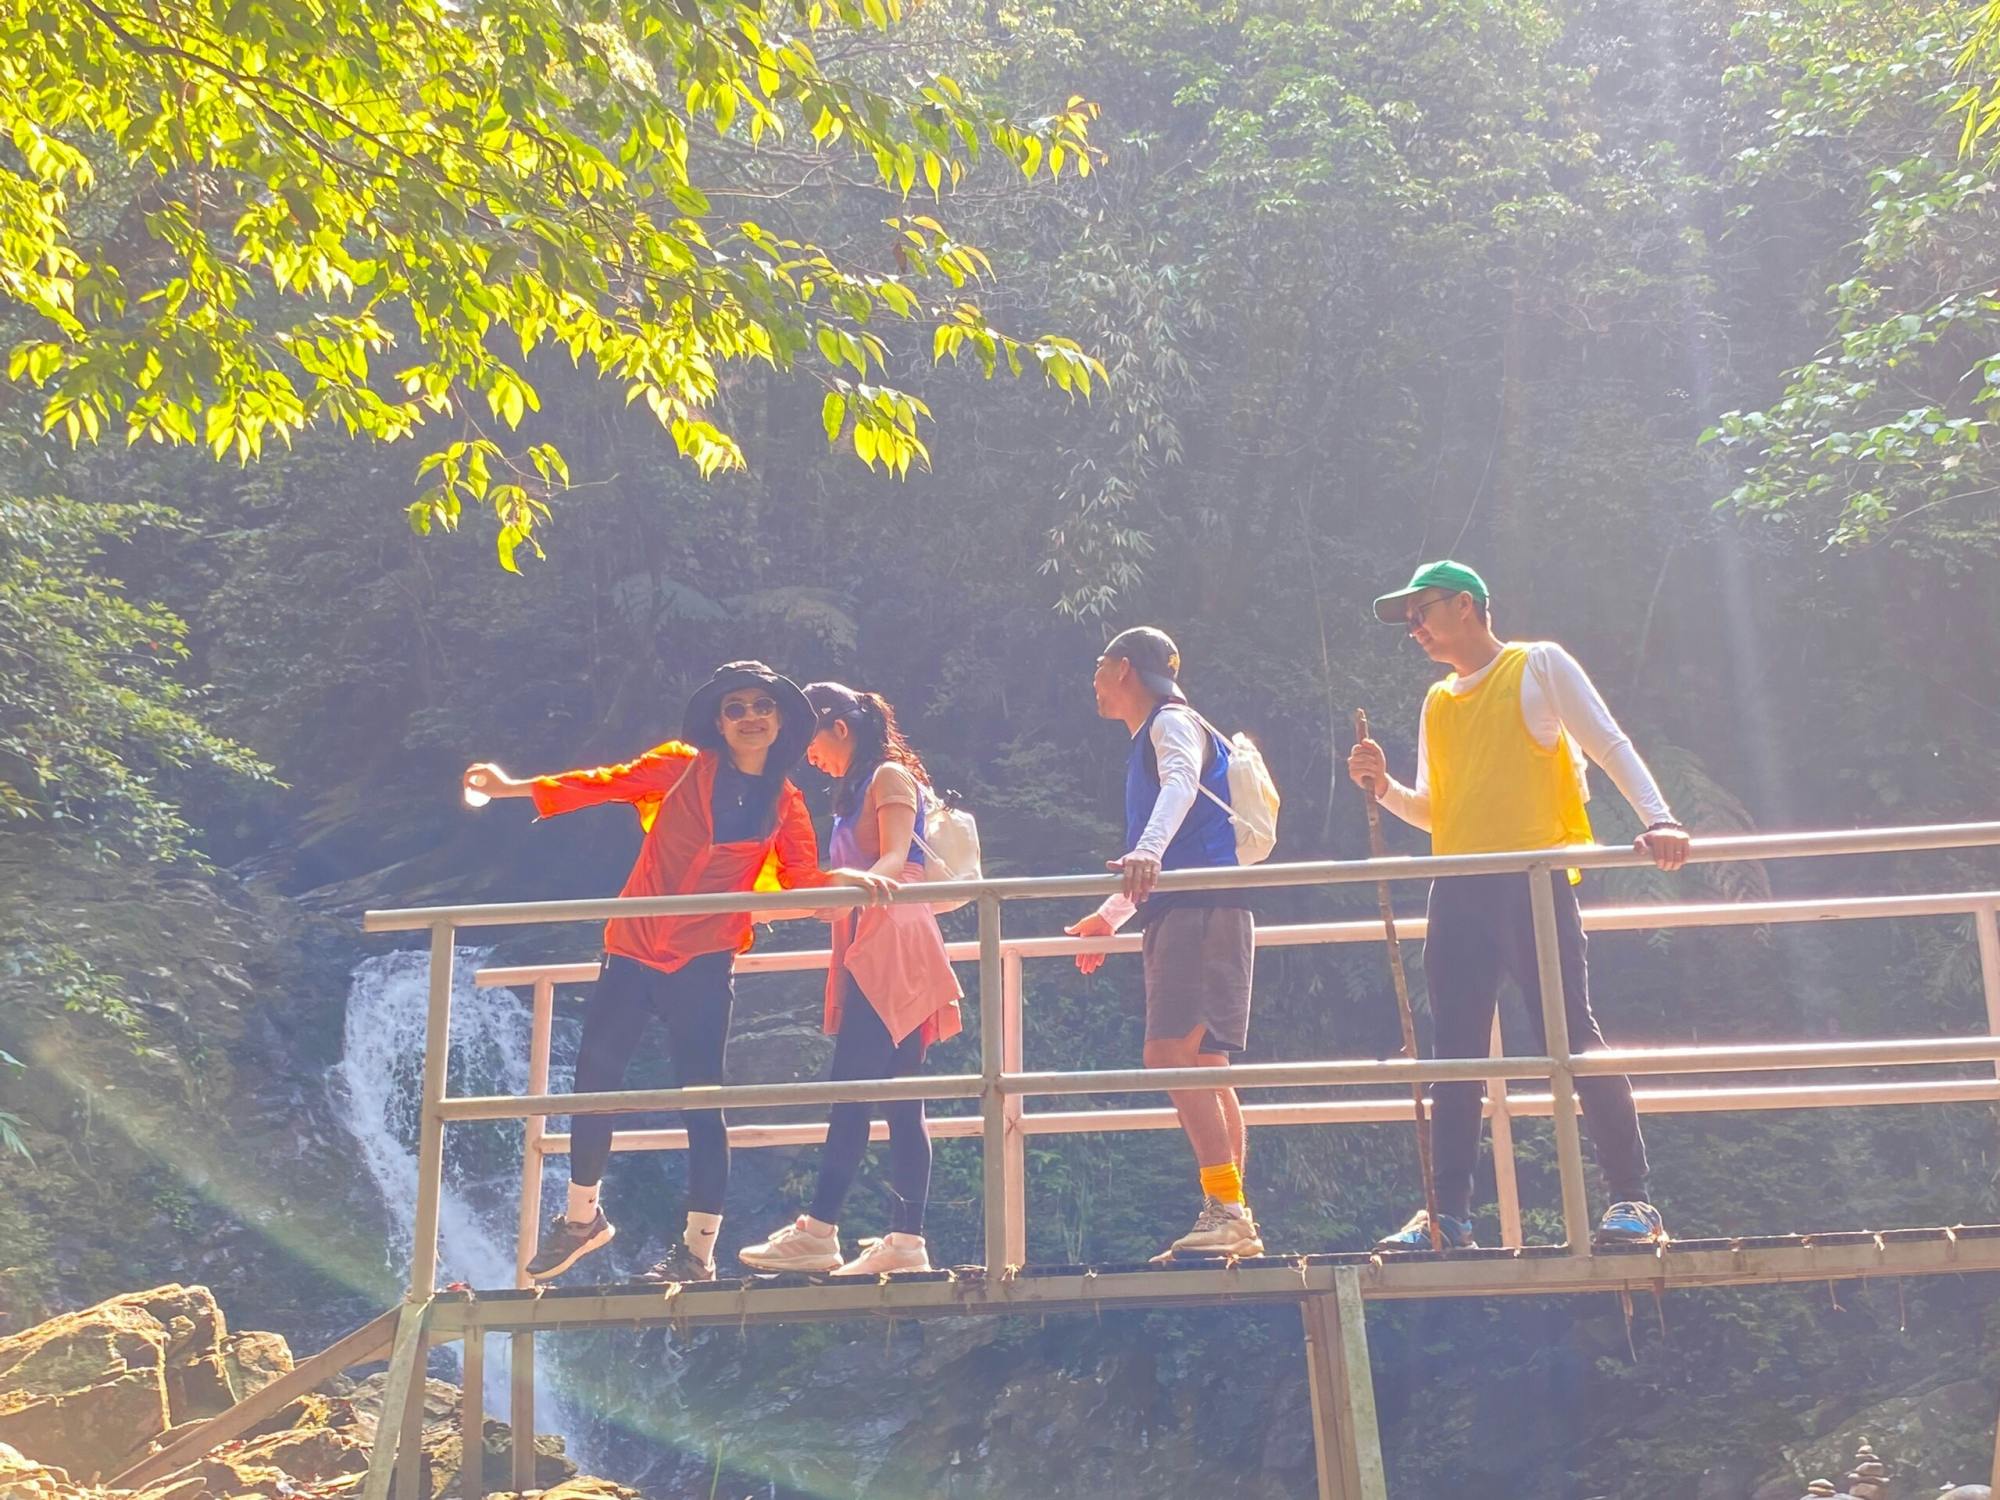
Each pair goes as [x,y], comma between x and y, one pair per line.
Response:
[1223,1183]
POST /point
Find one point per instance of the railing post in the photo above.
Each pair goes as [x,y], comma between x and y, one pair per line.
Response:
[992,1103]
[521,1370]
[430,1128]
[1012,986]
[1562,1080]
[534,1128]
[1506,1184]
[1986,924]
[472,1415]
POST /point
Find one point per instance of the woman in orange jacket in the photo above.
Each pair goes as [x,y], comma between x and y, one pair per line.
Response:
[719,814]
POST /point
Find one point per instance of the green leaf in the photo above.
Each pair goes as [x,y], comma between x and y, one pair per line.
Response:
[447,181]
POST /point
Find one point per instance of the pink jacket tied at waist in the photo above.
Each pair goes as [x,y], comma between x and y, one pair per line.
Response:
[896,956]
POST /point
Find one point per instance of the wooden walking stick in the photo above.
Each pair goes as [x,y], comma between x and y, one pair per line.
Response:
[1377,850]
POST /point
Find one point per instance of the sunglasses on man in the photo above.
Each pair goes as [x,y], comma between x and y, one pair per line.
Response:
[1414,616]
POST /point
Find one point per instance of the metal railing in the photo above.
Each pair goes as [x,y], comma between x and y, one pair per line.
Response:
[1002,1089]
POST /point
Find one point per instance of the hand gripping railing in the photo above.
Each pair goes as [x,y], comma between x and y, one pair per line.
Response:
[1000,1086]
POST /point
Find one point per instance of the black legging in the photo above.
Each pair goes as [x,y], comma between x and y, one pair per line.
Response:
[863,1050]
[694,1002]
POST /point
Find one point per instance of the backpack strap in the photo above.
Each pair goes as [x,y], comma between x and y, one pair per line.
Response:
[917,834]
[1207,756]
[931,856]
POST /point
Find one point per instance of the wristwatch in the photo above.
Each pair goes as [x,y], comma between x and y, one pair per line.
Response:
[1666,823]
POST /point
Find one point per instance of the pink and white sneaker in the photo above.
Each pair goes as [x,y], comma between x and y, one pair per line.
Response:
[796,1247]
[888,1255]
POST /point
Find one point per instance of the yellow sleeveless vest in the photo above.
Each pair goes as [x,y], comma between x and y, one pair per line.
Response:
[1493,787]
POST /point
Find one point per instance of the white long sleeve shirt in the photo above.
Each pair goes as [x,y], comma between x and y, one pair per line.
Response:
[1180,745]
[1556,698]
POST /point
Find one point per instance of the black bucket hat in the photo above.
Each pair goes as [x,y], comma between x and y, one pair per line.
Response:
[795,714]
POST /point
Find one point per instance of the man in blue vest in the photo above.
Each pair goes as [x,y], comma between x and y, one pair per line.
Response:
[1198,945]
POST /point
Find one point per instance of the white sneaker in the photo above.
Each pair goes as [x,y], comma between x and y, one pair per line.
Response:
[1220,1232]
[893,1252]
[796,1247]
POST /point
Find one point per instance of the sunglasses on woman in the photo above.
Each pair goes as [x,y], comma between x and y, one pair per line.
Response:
[763,708]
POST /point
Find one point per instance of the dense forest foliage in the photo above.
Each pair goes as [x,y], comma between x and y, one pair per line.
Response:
[1678,320]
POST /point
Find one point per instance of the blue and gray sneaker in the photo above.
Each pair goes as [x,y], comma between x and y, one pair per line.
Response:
[563,1244]
[1631,1223]
[1416,1235]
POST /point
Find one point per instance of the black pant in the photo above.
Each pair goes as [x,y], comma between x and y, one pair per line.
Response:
[694,1001]
[862,1049]
[1482,930]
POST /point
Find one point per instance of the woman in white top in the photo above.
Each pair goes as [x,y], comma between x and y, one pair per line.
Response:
[890,989]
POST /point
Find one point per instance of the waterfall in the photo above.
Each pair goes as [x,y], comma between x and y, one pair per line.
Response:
[377,1087]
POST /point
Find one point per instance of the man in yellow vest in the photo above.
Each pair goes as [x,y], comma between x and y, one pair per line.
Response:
[1500,766]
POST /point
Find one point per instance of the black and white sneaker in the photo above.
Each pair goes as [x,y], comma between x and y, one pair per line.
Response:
[681,1265]
[564,1244]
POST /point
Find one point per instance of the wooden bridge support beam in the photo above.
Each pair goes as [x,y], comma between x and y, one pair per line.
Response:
[472,1417]
[398,1451]
[522,1410]
[1347,1442]
[1995,1480]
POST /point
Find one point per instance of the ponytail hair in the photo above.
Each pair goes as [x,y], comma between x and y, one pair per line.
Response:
[877,738]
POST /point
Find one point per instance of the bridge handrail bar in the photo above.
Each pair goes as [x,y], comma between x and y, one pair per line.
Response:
[1632,1061]
[1661,917]
[1704,850]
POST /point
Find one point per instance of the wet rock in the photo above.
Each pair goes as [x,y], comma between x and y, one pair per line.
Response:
[554,1473]
[576,1489]
[1869,1479]
[442,1444]
[85,1395]
[299,1453]
[21,1478]
[88,1391]
[440,1401]
[1945,1426]
[181,1487]
[253,1360]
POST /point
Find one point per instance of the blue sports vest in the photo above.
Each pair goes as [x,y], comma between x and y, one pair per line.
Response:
[1206,837]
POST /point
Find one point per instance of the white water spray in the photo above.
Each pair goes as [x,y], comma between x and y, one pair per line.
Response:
[377,1089]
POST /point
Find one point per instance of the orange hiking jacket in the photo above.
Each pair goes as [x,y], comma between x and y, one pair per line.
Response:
[677,857]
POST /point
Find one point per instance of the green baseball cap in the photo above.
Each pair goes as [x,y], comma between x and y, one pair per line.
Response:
[1444,574]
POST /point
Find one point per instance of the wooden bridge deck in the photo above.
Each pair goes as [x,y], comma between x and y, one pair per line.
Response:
[1330,1292]
[968,1290]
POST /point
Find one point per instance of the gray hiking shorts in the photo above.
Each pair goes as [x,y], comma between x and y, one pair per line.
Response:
[1198,963]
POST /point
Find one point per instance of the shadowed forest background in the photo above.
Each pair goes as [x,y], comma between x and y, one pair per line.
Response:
[1372,283]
